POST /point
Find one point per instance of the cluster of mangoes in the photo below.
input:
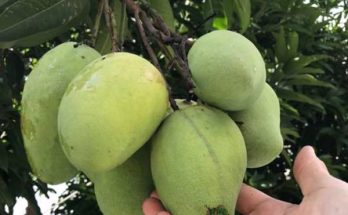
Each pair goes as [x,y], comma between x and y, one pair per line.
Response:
[109,117]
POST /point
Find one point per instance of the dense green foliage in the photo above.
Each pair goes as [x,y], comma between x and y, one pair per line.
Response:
[305,47]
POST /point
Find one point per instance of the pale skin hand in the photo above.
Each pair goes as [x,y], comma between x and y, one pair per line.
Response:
[323,194]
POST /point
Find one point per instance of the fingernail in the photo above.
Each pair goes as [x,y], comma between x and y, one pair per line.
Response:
[310,149]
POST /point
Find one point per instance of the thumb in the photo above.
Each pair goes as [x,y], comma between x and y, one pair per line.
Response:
[309,171]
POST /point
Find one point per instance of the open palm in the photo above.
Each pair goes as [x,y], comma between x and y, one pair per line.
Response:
[322,193]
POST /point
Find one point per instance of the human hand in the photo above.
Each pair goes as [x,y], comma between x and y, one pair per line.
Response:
[322,193]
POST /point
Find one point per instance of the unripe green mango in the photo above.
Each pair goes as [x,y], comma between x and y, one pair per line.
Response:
[110,110]
[42,94]
[227,69]
[198,161]
[122,190]
[260,126]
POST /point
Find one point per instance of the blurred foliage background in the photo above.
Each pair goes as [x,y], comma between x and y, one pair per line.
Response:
[304,44]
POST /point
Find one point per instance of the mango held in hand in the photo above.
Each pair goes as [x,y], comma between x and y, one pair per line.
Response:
[110,110]
[198,161]
[227,69]
[122,190]
[260,126]
[42,94]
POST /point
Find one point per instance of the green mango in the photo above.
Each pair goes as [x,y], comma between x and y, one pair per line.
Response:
[198,161]
[122,190]
[164,9]
[42,94]
[110,110]
[260,126]
[227,69]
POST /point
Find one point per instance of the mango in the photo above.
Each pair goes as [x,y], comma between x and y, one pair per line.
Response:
[198,161]
[42,94]
[110,110]
[122,190]
[227,69]
[260,126]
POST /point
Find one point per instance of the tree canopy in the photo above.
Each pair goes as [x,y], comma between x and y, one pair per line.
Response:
[304,45]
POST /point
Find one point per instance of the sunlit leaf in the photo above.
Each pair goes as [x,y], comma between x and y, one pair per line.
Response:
[220,23]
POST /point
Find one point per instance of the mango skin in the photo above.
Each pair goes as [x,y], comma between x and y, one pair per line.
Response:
[198,161]
[227,69]
[110,110]
[42,94]
[260,126]
[122,190]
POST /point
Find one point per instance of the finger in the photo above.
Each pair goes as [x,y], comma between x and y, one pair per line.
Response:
[253,201]
[163,213]
[152,206]
[154,195]
[309,171]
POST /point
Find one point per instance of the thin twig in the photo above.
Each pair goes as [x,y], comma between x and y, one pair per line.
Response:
[172,102]
[172,38]
[164,37]
[148,48]
[109,24]
[97,22]
[114,30]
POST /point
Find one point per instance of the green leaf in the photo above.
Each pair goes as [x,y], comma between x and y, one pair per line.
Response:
[308,80]
[292,44]
[289,132]
[5,92]
[220,23]
[5,195]
[229,10]
[289,108]
[5,3]
[298,97]
[3,157]
[300,62]
[280,46]
[243,10]
[14,71]
[310,70]
[31,22]
[215,8]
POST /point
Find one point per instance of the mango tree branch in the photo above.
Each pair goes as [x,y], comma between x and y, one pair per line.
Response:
[111,24]
[156,27]
[97,22]
[148,48]
[152,55]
